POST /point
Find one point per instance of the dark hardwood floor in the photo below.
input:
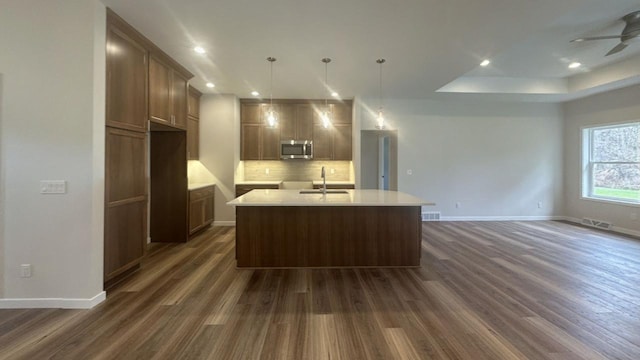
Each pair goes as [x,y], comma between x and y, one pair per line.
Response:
[486,290]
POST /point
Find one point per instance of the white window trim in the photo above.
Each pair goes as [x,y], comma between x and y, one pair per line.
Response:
[586,183]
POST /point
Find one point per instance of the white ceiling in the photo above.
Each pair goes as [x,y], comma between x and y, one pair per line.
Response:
[427,43]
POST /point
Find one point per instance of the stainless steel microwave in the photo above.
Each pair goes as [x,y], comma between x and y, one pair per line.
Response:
[296,149]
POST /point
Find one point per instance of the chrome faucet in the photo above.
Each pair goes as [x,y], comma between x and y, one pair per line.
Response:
[323,175]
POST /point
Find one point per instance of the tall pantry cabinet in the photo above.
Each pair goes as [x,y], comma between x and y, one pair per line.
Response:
[126,193]
[130,95]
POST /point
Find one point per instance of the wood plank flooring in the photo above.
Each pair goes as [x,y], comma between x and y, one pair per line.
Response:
[486,290]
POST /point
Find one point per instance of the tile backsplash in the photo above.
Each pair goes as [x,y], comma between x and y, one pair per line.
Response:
[297,170]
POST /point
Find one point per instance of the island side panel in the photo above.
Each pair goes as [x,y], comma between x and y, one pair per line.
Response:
[328,236]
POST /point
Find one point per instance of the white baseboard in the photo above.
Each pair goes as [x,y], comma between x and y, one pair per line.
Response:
[224,223]
[500,218]
[533,218]
[53,303]
[614,228]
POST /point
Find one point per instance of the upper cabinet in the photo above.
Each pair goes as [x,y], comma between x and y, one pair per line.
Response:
[194,103]
[167,92]
[335,141]
[297,120]
[193,124]
[126,80]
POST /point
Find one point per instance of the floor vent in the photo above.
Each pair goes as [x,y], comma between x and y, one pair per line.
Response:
[597,223]
[431,216]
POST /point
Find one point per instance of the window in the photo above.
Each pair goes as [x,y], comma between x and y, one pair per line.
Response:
[611,163]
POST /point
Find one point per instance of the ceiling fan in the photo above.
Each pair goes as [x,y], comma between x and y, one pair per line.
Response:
[630,33]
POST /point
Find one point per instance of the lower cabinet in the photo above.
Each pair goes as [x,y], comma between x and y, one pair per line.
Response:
[125,228]
[201,203]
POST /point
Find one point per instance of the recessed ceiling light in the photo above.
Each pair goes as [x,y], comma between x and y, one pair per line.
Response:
[211,85]
[335,94]
[574,65]
[255,93]
[485,63]
[199,50]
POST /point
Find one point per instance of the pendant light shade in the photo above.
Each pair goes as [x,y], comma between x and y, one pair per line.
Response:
[326,113]
[380,117]
[272,116]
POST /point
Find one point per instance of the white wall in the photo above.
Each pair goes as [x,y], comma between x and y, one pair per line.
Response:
[610,107]
[498,160]
[220,149]
[52,114]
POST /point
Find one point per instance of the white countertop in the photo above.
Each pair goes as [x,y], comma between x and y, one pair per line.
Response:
[274,197]
[196,186]
[265,182]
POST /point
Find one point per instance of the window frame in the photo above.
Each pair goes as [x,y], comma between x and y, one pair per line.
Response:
[587,183]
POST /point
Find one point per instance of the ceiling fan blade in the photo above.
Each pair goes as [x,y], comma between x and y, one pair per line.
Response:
[617,49]
[597,38]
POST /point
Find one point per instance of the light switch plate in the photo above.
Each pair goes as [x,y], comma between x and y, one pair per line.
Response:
[53,187]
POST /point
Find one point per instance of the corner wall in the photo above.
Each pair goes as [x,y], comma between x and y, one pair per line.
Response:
[220,149]
[496,160]
[610,107]
[52,128]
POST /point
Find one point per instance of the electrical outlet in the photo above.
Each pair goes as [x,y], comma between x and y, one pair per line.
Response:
[457,205]
[266,171]
[539,204]
[409,172]
[25,270]
[333,171]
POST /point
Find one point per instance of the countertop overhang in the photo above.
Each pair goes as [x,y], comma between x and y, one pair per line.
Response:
[263,197]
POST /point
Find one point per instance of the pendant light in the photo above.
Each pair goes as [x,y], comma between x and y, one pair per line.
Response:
[272,116]
[326,113]
[380,118]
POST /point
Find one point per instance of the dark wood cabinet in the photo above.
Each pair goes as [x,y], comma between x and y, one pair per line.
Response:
[193,102]
[143,84]
[251,113]
[193,124]
[126,105]
[250,141]
[193,138]
[270,143]
[297,120]
[304,121]
[201,208]
[334,142]
[167,93]
[342,142]
[126,120]
[258,141]
[322,143]
[125,201]
[179,98]
[159,91]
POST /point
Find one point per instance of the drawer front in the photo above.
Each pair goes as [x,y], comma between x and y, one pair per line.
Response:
[195,195]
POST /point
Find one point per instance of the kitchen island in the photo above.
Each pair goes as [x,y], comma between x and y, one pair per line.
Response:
[346,228]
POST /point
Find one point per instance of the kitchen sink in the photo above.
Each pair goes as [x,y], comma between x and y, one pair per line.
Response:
[322,192]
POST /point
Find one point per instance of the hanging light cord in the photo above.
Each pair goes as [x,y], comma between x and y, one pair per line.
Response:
[271,60]
[380,61]
[326,82]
